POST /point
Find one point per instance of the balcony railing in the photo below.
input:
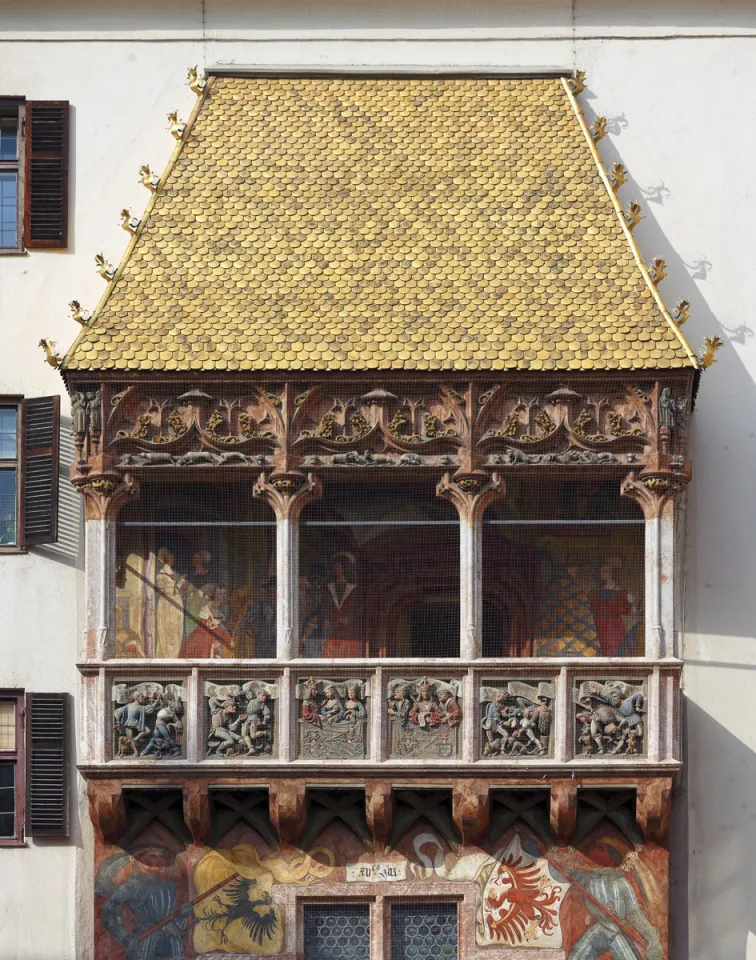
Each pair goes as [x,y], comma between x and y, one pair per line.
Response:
[488,716]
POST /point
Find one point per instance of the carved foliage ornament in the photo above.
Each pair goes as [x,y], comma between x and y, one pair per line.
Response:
[194,428]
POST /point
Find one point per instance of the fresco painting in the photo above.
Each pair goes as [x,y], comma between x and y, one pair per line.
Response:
[606,898]
[202,587]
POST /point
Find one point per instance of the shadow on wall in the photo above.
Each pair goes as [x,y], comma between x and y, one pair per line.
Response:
[718,540]
[722,865]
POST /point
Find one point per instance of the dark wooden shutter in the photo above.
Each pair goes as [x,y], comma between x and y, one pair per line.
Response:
[47,764]
[40,436]
[46,174]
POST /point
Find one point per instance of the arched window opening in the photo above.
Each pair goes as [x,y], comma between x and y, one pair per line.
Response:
[196,573]
[379,572]
[563,571]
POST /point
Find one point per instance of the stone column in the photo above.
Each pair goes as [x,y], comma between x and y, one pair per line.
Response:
[656,495]
[103,499]
[287,495]
[471,495]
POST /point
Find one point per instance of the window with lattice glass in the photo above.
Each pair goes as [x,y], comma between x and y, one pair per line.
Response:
[340,930]
[424,931]
[11,769]
[9,177]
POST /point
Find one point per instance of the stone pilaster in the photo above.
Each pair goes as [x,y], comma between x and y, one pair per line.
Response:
[656,494]
[471,495]
[287,494]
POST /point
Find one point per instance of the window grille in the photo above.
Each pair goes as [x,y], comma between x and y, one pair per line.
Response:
[337,931]
[424,931]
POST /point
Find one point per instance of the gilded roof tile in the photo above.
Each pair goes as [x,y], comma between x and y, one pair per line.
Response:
[379,224]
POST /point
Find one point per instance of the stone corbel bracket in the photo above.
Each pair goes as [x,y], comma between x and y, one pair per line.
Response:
[288,493]
[107,809]
[105,493]
[653,491]
[653,807]
[288,809]
[471,493]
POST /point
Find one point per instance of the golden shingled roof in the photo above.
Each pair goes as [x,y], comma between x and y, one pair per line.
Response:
[383,224]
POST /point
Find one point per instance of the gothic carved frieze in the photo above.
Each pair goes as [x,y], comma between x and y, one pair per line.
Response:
[425,717]
[148,719]
[610,718]
[408,426]
[517,718]
[195,427]
[463,427]
[608,423]
[241,719]
[333,719]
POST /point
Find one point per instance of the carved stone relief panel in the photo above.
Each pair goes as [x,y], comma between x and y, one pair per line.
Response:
[152,427]
[425,717]
[333,718]
[241,719]
[603,423]
[412,425]
[517,718]
[610,718]
[148,719]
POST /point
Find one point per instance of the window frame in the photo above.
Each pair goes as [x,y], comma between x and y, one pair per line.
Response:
[18,167]
[17,401]
[18,758]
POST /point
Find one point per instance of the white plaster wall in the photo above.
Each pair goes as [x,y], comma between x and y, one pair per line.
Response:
[677,80]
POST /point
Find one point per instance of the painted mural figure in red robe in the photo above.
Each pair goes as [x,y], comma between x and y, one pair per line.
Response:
[344,600]
[211,638]
[613,608]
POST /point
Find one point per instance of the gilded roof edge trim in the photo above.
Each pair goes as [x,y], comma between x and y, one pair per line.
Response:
[176,153]
[627,231]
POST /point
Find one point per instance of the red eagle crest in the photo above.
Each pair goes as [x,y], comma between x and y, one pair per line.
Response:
[520,902]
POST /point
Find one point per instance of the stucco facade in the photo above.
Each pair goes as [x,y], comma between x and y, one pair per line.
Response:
[674,81]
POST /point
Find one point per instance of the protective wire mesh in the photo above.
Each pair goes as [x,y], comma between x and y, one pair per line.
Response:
[563,571]
[196,574]
[337,931]
[423,931]
[379,573]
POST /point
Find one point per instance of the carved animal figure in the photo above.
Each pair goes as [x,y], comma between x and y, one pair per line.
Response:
[196,458]
[712,345]
[236,905]
[176,126]
[51,354]
[233,457]
[148,178]
[78,313]
[197,82]
[157,458]
[105,269]
[130,224]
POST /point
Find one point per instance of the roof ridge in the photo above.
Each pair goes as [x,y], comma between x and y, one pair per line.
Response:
[577,109]
[167,170]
